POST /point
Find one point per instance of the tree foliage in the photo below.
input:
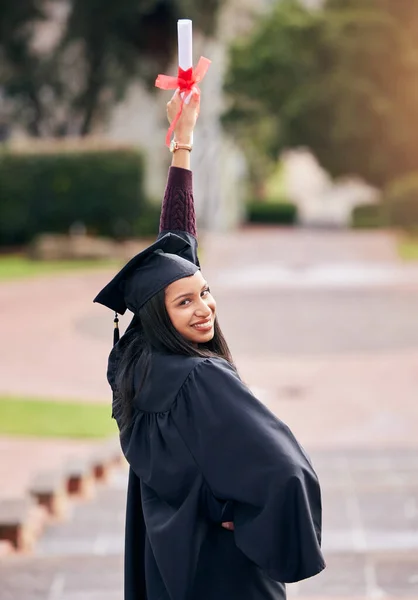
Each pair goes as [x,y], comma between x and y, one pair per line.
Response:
[340,80]
[103,47]
[20,69]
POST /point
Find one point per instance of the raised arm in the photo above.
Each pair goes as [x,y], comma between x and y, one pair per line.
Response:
[177,211]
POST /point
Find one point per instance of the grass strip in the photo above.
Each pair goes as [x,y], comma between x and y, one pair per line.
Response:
[20,267]
[50,418]
[408,248]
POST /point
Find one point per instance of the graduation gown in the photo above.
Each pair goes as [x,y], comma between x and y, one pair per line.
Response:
[203,450]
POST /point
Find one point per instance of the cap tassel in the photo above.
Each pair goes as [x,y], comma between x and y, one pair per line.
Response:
[116,329]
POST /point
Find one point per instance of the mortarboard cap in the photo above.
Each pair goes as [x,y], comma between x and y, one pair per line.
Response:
[147,273]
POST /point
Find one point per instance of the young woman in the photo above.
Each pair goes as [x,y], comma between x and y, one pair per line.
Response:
[223,503]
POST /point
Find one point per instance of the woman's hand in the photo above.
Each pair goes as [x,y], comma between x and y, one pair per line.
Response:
[228,525]
[185,125]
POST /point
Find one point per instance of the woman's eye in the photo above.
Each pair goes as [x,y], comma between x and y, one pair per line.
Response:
[187,300]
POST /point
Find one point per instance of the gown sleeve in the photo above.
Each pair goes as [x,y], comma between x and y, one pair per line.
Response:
[177,212]
[251,458]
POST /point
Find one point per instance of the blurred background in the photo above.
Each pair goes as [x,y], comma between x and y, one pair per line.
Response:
[305,169]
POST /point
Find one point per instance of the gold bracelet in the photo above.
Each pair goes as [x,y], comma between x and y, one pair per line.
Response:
[174,145]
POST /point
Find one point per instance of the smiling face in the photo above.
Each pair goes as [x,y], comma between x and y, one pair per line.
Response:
[191,308]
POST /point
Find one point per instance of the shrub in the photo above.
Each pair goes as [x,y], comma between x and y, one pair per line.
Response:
[148,223]
[367,216]
[284,213]
[49,192]
[400,202]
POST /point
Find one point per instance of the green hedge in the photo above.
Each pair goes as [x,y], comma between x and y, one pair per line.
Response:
[367,216]
[284,213]
[47,193]
[400,202]
[148,223]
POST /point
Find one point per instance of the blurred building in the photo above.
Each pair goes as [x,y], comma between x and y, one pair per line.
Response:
[321,201]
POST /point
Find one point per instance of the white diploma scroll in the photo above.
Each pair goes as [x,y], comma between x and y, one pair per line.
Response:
[185,42]
[185,45]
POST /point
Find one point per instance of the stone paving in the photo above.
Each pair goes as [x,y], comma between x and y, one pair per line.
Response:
[337,362]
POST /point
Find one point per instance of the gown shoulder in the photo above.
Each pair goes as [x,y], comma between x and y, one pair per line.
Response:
[167,375]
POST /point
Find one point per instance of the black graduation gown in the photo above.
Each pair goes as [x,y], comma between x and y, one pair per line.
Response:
[203,450]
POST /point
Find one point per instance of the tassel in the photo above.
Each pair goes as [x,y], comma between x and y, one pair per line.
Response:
[116,329]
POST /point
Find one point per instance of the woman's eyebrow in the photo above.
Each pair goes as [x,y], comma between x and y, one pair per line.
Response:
[189,293]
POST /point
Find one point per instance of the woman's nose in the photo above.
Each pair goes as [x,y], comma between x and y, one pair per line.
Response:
[203,309]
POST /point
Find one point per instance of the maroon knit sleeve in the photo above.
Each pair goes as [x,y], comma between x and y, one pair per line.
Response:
[177,211]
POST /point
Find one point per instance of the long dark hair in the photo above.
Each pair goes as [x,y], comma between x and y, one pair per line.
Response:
[153,331]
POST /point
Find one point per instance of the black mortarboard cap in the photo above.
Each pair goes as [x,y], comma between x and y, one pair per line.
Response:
[165,261]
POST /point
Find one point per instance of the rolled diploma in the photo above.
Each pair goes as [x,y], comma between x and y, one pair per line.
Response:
[185,42]
[185,45]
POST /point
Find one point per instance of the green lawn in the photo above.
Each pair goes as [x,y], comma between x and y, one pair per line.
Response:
[43,418]
[16,267]
[408,248]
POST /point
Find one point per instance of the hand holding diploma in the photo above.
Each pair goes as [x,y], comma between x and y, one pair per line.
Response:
[187,77]
[183,130]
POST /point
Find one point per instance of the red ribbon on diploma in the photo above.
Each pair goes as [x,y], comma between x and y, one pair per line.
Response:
[185,81]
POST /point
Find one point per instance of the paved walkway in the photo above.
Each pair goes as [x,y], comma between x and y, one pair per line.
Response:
[370,537]
[336,359]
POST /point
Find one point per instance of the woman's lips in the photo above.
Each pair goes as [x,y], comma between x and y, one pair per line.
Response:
[205,326]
